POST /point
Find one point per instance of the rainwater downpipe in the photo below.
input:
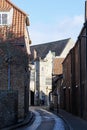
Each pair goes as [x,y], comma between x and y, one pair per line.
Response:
[9,75]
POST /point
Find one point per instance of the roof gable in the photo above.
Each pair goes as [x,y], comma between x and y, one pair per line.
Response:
[43,49]
[16,7]
[27,19]
[6,5]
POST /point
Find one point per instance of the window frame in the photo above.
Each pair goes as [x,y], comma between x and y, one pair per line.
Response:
[1,19]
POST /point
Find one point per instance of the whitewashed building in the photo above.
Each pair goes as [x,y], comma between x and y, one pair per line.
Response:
[43,56]
[41,80]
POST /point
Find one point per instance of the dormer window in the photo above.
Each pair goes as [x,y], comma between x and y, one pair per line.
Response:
[6,17]
[3,18]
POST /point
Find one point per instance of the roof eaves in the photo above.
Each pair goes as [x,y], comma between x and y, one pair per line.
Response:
[53,42]
[17,7]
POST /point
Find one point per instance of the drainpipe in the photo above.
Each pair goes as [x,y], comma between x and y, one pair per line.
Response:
[9,74]
[86,60]
[80,63]
[9,66]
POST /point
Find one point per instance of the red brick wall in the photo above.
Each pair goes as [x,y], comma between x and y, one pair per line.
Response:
[19,80]
[67,81]
[83,82]
[57,66]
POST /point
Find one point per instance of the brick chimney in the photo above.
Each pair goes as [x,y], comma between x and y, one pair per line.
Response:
[35,54]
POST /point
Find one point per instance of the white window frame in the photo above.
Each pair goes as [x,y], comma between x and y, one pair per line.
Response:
[9,17]
[1,13]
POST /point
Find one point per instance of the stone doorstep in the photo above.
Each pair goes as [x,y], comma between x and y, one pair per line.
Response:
[28,120]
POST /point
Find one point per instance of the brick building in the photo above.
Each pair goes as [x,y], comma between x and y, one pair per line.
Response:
[14,62]
[75,73]
[13,25]
[14,76]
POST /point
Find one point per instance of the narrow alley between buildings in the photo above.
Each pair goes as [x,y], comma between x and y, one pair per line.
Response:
[45,120]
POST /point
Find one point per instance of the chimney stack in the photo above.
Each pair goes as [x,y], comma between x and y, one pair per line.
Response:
[85,10]
[35,54]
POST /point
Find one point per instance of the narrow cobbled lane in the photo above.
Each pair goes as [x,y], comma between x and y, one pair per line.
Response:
[44,120]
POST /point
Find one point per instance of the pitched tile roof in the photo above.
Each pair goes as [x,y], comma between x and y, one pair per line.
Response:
[6,5]
[16,7]
[43,49]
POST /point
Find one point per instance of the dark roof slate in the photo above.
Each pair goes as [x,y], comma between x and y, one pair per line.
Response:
[43,49]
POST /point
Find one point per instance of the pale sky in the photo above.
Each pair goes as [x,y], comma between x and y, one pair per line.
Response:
[52,20]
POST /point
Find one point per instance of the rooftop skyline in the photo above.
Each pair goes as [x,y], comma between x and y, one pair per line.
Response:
[52,20]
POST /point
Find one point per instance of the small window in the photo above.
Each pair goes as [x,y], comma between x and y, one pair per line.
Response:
[0,18]
[3,18]
[42,68]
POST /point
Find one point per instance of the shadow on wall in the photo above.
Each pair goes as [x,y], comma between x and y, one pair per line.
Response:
[14,77]
[7,35]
